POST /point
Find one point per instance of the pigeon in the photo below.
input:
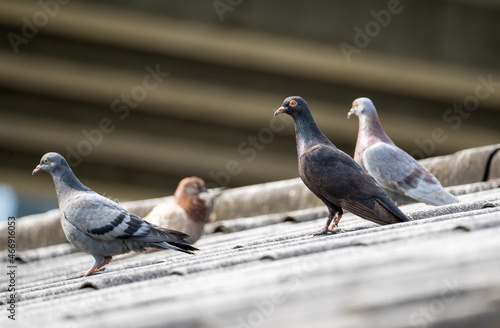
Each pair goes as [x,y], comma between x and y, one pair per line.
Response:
[99,226]
[188,213]
[402,177]
[333,176]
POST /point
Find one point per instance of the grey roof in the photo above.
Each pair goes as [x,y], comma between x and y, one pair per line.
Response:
[440,270]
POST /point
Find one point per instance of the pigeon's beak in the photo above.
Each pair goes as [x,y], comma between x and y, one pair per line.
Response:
[37,168]
[350,113]
[280,110]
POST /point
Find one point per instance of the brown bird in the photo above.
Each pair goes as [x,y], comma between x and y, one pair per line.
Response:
[333,176]
[188,213]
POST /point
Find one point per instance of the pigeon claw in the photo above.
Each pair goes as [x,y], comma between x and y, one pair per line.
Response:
[88,273]
[325,231]
[98,268]
[334,222]
[81,275]
[331,226]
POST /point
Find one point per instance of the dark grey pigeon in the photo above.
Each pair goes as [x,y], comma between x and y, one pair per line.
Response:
[99,226]
[333,176]
[402,177]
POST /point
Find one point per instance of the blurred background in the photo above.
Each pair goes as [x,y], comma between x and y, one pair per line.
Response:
[139,94]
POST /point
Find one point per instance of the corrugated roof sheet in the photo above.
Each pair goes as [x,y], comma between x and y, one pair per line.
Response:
[441,270]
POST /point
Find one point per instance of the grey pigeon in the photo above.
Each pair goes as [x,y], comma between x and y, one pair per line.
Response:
[333,176]
[188,213]
[403,178]
[99,226]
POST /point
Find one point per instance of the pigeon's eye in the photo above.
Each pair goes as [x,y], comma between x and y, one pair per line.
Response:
[46,161]
[293,103]
[356,105]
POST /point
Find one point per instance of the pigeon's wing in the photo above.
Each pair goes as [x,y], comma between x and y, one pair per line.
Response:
[168,215]
[397,171]
[327,170]
[333,176]
[103,219]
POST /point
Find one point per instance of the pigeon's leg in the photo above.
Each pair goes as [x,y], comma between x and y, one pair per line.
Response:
[100,261]
[331,224]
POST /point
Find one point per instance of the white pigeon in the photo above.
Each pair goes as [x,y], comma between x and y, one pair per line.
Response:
[404,179]
[99,226]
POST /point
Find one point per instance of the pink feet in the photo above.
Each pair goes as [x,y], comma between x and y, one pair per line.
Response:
[330,226]
[334,223]
[96,269]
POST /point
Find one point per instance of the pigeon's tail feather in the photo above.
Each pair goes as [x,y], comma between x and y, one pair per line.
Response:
[390,212]
[185,248]
[174,235]
[166,239]
[379,210]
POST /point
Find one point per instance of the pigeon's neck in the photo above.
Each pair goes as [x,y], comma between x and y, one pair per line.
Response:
[370,129]
[307,133]
[195,207]
[66,185]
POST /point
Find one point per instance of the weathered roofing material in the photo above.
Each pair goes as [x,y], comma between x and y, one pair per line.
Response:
[262,270]
[438,271]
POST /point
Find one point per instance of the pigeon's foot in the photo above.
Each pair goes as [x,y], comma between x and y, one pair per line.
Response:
[96,269]
[81,275]
[334,222]
[85,274]
[330,226]
[325,231]
[99,267]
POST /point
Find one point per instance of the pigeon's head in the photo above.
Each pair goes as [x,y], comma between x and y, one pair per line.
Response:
[293,106]
[191,196]
[361,106]
[52,163]
[192,186]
